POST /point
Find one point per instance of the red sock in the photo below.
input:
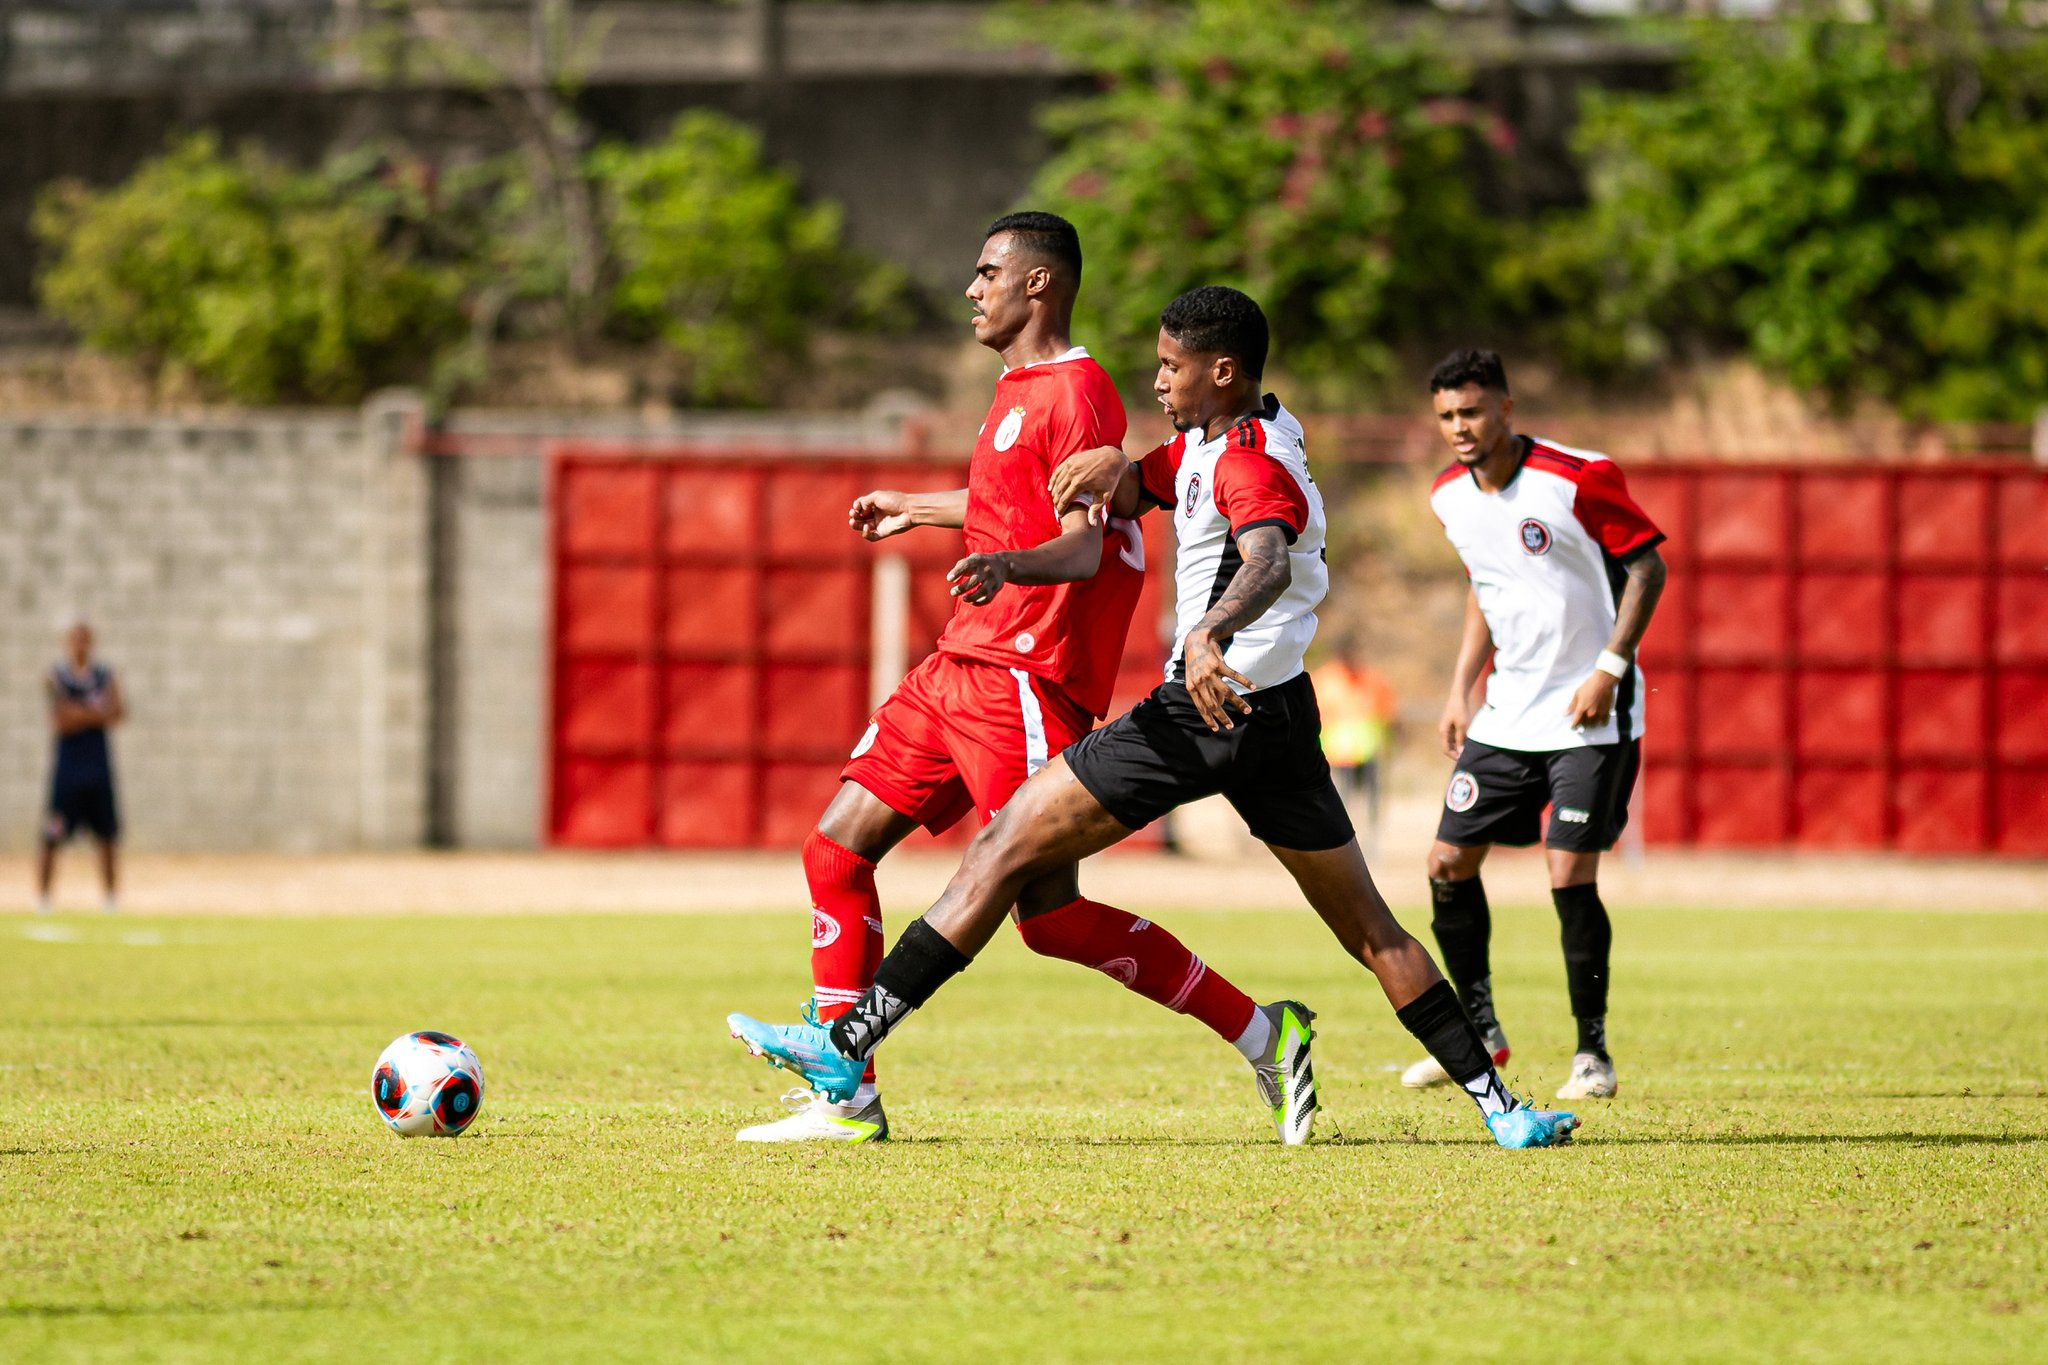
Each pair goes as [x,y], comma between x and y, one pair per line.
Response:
[846,927]
[1145,958]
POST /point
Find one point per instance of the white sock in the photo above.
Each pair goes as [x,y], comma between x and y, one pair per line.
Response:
[864,1095]
[1257,1038]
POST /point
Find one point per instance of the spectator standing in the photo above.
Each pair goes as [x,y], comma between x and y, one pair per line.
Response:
[85,702]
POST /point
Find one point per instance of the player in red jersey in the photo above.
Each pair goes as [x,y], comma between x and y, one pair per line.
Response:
[1025,666]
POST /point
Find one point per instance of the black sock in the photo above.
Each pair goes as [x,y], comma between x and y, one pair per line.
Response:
[1441,1025]
[1463,926]
[1588,936]
[920,963]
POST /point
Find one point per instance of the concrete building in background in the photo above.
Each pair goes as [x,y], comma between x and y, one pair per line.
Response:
[334,640]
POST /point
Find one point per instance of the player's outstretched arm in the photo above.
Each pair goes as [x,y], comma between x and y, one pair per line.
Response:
[1474,648]
[887,512]
[1072,556]
[1256,586]
[1103,479]
[1594,700]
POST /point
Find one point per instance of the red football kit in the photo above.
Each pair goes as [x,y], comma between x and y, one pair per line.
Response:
[1018,679]
[1013,683]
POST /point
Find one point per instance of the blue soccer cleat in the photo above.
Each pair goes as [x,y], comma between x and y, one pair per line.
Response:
[804,1048]
[1526,1127]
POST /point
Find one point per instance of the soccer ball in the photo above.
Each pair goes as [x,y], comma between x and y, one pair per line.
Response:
[428,1084]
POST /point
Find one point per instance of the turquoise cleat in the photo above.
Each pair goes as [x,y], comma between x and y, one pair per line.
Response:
[803,1048]
[1526,1127]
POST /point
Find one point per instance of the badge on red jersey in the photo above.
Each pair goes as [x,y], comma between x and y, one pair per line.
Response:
[1011,428]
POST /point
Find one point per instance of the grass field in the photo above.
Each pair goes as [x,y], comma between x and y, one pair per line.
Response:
[1829,1146]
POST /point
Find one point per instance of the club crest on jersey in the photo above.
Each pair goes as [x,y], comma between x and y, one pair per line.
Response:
[1009,429]
[1187,506]
[1535,537]
[1463,793]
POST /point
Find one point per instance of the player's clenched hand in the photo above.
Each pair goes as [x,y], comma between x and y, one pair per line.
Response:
[979,577]
[1593,701]
[1091,477]
[1207,675]
[880,514]
[1457,719]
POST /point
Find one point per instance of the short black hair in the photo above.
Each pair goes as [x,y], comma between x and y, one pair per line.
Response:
[1460,368]
[1218,320]
[1044,234]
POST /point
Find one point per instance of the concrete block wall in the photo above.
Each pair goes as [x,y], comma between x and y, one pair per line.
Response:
[495,613]
[327,640]
[258,582]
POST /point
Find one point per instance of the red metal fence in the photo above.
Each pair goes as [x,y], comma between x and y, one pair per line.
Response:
[712,638]
[1849,658]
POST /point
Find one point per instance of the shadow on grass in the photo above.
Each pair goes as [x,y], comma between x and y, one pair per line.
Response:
[1592,1140]
[59,1311]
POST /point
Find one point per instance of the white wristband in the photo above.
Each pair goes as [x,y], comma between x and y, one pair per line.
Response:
[1612,664]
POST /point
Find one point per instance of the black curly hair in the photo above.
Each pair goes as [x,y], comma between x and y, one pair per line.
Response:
[1218,320]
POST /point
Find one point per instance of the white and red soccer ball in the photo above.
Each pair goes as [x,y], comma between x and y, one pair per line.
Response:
[428,1084]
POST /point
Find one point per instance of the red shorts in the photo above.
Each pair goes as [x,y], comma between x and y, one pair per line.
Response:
[959,735]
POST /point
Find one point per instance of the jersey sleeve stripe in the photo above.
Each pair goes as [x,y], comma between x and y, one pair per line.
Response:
[1640,548]
[1287,528]
[1568,465]
[1447,476]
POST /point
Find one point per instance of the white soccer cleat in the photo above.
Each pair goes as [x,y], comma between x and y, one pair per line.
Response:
[1286,1080]
[1592,1078]
[816,1119]
[1429,1071]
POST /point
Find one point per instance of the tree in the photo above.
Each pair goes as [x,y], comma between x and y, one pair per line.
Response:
[1296,149]
[1858,206]
[717,256]
[265,283]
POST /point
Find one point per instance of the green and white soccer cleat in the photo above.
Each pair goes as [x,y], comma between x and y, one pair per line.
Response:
[1429,1071]
[813,1118]
[1286,1080]
[1592,1078]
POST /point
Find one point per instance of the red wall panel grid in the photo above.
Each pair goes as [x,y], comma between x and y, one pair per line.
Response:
[712,641]
[1849,658]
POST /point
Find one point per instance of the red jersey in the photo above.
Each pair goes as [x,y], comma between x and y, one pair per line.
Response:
[1070,634]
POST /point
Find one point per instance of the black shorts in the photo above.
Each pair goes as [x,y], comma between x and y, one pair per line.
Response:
[1160,754]
[1497,796]
[84,805]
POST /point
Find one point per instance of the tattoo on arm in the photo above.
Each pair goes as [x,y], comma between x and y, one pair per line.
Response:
[1257,585]
[1646,574]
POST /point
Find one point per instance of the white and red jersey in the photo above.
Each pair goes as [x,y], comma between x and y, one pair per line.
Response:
[1545,557]
[1254,474]
[1069,634]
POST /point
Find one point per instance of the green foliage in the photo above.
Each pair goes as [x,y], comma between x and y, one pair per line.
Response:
[269,284]
[265,283]
[718,256]
[1295,149]
[1859,206]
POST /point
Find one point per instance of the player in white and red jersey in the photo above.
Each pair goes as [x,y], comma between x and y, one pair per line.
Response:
[1024,667]
[1236,716]
[1565,575]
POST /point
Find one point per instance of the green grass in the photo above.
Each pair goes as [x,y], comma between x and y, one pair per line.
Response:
[1828,1147]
